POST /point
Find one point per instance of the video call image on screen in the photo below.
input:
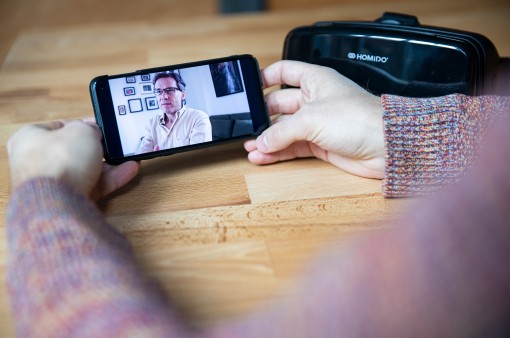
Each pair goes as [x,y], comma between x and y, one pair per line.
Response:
[216,89]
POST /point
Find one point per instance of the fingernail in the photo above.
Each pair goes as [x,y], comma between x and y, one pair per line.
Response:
[263,145]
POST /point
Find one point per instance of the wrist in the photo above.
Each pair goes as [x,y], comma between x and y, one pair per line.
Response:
[377,139]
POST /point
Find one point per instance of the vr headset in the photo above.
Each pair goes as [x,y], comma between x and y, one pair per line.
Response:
[395,54]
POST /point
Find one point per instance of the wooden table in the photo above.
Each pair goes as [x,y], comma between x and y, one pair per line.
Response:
[222,235]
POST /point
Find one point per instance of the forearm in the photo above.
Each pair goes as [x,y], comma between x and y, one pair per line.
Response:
[440,272]
[72,274]
[432,142]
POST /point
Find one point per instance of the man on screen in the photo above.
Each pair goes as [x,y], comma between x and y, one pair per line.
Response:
[176,125]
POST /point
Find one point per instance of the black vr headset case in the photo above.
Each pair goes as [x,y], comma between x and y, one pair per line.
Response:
[395,54]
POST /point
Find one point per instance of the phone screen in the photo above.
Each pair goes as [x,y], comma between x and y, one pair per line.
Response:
[161,111]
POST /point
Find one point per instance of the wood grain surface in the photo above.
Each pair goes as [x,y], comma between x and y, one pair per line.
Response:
[222,236]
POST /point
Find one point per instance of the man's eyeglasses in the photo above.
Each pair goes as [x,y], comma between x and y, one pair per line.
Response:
[169,90]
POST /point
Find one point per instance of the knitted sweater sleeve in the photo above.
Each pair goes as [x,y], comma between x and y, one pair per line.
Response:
[71,274]
[432,142]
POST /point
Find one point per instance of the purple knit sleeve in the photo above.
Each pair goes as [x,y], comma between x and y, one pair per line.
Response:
[71,274]
[432,142]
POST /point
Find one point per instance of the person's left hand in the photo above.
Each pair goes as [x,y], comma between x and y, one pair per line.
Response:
[69,151]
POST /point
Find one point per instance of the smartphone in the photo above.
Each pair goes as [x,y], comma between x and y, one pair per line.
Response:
[161,111]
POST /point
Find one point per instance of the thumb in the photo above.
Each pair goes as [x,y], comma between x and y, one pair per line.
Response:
[115,177]
[282,134]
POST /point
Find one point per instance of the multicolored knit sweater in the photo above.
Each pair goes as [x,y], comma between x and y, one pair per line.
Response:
[442,273]
[432,142]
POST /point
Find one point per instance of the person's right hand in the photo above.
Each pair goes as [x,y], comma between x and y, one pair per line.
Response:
[328,116]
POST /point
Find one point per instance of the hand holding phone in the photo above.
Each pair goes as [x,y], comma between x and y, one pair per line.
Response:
[161,111]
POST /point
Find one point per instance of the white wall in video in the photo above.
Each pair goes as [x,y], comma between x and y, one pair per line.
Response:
[217,90]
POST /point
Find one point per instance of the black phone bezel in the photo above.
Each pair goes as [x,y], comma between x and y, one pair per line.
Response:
[105,115]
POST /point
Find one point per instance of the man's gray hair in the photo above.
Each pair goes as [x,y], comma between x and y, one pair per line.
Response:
[176,76]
